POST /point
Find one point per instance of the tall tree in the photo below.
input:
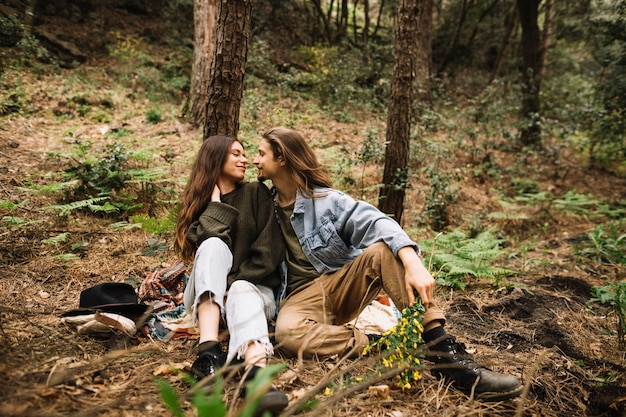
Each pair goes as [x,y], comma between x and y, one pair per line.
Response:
[531,71]
[225,89]
[204,20]
[395,176]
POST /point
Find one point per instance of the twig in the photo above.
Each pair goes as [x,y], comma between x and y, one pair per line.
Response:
[59,376]
[535,368]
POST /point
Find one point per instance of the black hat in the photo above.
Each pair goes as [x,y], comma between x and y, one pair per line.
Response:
[111,297]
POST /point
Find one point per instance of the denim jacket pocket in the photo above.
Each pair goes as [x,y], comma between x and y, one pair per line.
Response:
[326,246]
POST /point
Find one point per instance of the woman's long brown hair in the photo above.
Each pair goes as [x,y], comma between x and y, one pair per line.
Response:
[205,172]
[303,165]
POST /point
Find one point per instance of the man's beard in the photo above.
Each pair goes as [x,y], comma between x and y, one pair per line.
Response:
[261,178]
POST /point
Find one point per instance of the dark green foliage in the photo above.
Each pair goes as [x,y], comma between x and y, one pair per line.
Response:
[11,30]
[103,174]
[442,193]
[609,49]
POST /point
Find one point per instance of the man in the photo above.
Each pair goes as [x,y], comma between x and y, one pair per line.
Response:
[340,254]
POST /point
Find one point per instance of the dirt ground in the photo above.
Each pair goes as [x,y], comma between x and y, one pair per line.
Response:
[539,328]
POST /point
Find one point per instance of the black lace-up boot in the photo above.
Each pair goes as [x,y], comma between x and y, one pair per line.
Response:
[273,401]
[453,363]
[210,359]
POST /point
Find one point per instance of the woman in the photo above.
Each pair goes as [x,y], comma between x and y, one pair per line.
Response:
[228,229]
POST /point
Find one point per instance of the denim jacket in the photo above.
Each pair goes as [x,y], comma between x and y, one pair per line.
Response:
[333,228]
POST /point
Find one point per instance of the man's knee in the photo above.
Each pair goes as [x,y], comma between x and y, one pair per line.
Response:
[289,332]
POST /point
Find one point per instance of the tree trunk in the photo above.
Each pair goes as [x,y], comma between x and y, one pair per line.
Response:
[204,19]
[228,66]
[531,79]
[506,40]
[395,177]
[423,70]
[545,39]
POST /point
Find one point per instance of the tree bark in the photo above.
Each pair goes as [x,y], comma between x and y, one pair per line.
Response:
[423,70]
[531,79]
[545,39]
[395,177]
[228,66]
[204,19]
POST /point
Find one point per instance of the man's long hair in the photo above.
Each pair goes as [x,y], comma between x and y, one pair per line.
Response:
[299,158]
[205,172]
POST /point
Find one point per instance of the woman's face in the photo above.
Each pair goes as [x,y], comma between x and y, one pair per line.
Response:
[234,168]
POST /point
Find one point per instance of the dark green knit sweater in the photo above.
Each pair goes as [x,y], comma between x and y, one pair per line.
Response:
[245,221]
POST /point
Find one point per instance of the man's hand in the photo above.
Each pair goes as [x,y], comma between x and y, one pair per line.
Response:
[416,276]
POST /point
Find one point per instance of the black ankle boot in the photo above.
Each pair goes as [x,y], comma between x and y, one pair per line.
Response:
[454,364]
[273,401]
[209,360]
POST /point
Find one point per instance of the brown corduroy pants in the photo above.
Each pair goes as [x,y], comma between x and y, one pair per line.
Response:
[313,319]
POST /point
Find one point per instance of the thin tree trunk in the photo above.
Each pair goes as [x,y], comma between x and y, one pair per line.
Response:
[545,40]
[506,41]
[228,68]
[204,15]
[395,177]
[531,80]
[380,14]
[366,31]
[455,39]
[423,70]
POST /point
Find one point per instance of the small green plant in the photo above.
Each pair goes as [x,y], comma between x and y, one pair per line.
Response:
[153,116]
[615,296]
[442,193]
[154,226]
[100,174]
[606,243]
[8,205]
[399,346]
[213,405]
[454,257]
[18,222]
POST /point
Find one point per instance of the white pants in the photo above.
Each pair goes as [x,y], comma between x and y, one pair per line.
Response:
[248,307]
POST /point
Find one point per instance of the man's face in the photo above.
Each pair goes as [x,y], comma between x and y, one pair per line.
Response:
[266,164]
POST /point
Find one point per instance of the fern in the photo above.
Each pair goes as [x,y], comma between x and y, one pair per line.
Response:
[63,210]
[124,225]
[12,221]
[53,188]
[572,202]
[456,257]
[55,240]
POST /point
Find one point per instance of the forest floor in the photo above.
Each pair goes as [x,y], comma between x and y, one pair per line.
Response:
[538,327]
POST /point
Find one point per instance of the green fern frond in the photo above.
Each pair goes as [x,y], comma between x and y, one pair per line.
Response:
[62,237]
[63,210]
[19,221]
[457,257]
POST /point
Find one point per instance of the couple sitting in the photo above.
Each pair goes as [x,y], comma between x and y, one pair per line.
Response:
[340,253]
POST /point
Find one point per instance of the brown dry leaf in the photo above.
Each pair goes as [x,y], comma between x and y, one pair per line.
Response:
[381,391]
[288,377]
[168,369]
